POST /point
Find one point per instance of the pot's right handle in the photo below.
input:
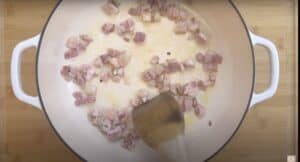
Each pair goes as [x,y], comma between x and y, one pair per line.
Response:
[274,60]
[15,72]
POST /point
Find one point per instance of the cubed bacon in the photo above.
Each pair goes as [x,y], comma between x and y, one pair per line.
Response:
[193,26]
[181,28]
[187,104]
[70,53]
[86,38]
[173,66]
[210,67]
[200,57]
[72,42]
[201,37]
[76,45]
[199,111]
[139,37]
[108,28]
[98,62]
[82,99]
[154,60]
[129,140]
[190,89]
[134,12]
[77,95]
[176,13]
[201,85]
[189,64]
[66,72]
[110,8]
[143,95]
[105,58]
[126,26]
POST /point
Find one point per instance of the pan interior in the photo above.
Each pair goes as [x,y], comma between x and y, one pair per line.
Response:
[226,103]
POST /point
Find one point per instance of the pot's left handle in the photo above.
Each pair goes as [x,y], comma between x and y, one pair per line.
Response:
[15,72]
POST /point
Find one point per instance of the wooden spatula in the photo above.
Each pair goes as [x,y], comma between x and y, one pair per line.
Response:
[160,123]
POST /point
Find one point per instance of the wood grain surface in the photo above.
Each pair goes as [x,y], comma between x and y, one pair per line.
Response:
[268,134]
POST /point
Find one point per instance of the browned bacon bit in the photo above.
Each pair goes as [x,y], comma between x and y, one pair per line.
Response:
[173,66]
[139,37]
[181,28]
[125,27]
[82,99]
[154,60]
[110,8]
[108,28]
[189,64]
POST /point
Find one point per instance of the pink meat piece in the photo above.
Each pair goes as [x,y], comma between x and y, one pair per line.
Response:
[72,42]
[154,60]
[105,58]
[189,64]
[98,62]
[210,67]
[70,53]
[80,75]
[176,13]
[135,102]
[181,28]
[134,12]
[66,72]
[201,85]
[129,140]
[76,45]
[111,122]
[200,57]
[187,104]
[199,111]
[173,66]
[194,26]
[201,37]
[190,89]
[82,99]
[139,37]
[110,8]
[108,28]
[86,38]
[143,95]
[125,27]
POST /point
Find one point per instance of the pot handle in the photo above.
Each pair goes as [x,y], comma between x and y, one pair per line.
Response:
[15,72]
[274,60]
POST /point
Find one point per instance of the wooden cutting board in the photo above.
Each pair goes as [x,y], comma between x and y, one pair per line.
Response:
[267,134]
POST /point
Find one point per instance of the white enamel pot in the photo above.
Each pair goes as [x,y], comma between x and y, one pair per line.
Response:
[231,99]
